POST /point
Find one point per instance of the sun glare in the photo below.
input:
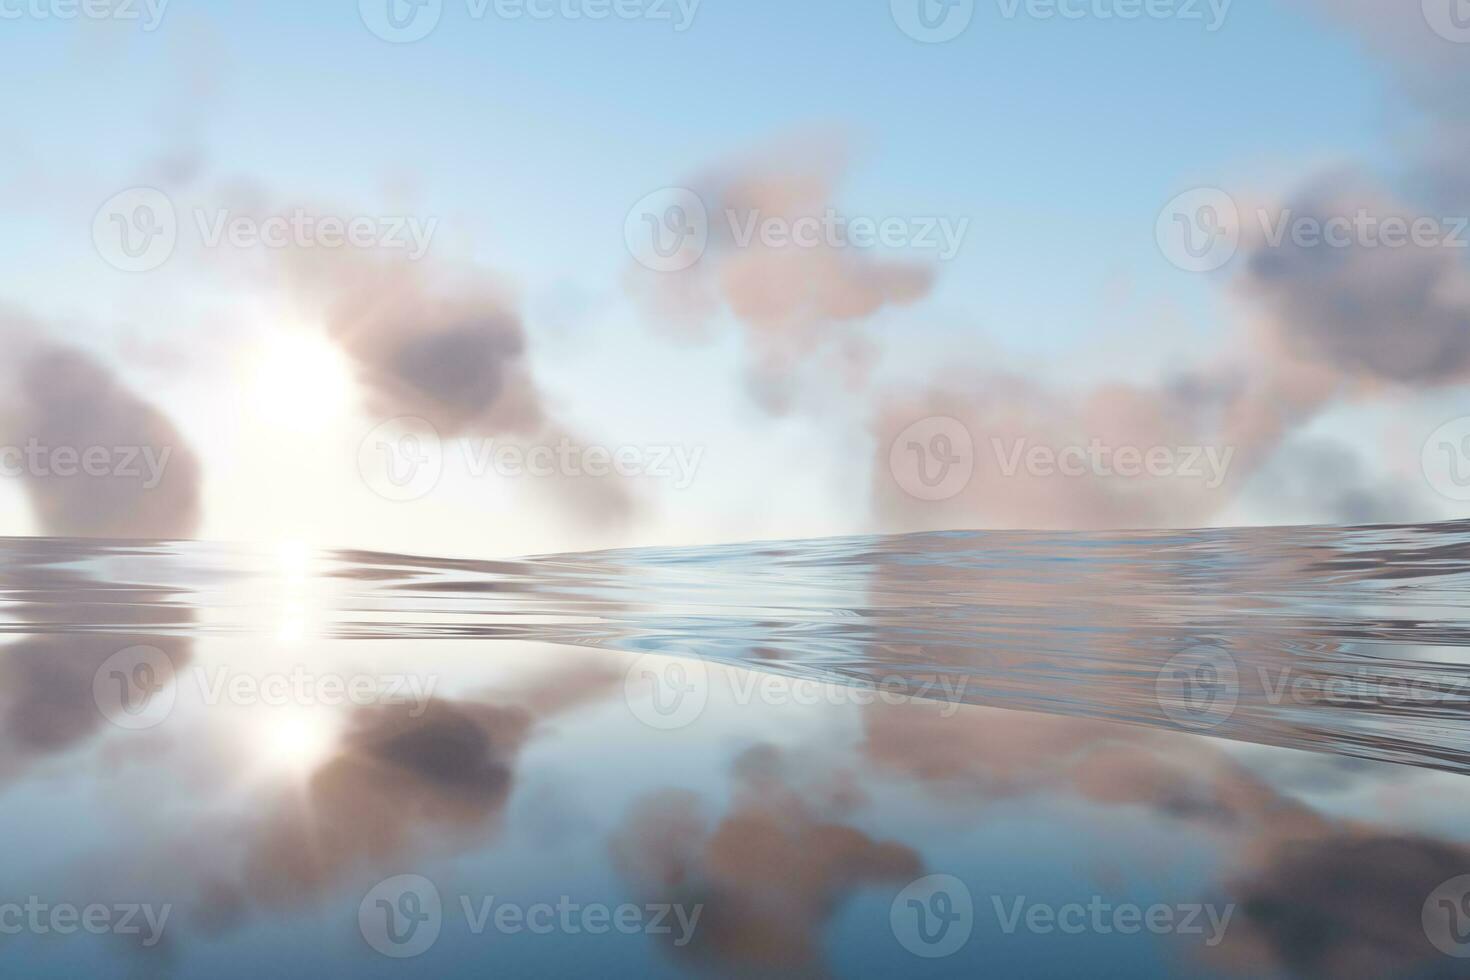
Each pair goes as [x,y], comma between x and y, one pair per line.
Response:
[298,380]
[294,743]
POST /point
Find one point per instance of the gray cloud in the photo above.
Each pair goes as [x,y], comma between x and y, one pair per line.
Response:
[64,399]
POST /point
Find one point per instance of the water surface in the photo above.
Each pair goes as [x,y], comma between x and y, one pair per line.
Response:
[1232,753]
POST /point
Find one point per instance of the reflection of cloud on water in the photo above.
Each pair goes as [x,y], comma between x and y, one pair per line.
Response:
[770,873]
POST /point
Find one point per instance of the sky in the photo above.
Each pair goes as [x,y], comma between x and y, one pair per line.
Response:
[768,389]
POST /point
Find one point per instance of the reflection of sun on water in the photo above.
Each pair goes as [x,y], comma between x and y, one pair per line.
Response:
[291,739]
[293,742]
[294,568]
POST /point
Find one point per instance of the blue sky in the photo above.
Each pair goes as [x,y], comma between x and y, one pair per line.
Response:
[1058,141]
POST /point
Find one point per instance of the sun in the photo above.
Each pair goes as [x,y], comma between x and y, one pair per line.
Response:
[296,380]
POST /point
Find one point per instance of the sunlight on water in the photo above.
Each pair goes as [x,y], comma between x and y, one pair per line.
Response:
[868,756]
[1350,641]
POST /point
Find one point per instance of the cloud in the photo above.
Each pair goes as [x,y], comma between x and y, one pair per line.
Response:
[1346,904]
[48,700]
[769,874]
[1317,481]
[1376,312]
[146,481]
[401,782]
[1208,423]
[791,300]
[448,348]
